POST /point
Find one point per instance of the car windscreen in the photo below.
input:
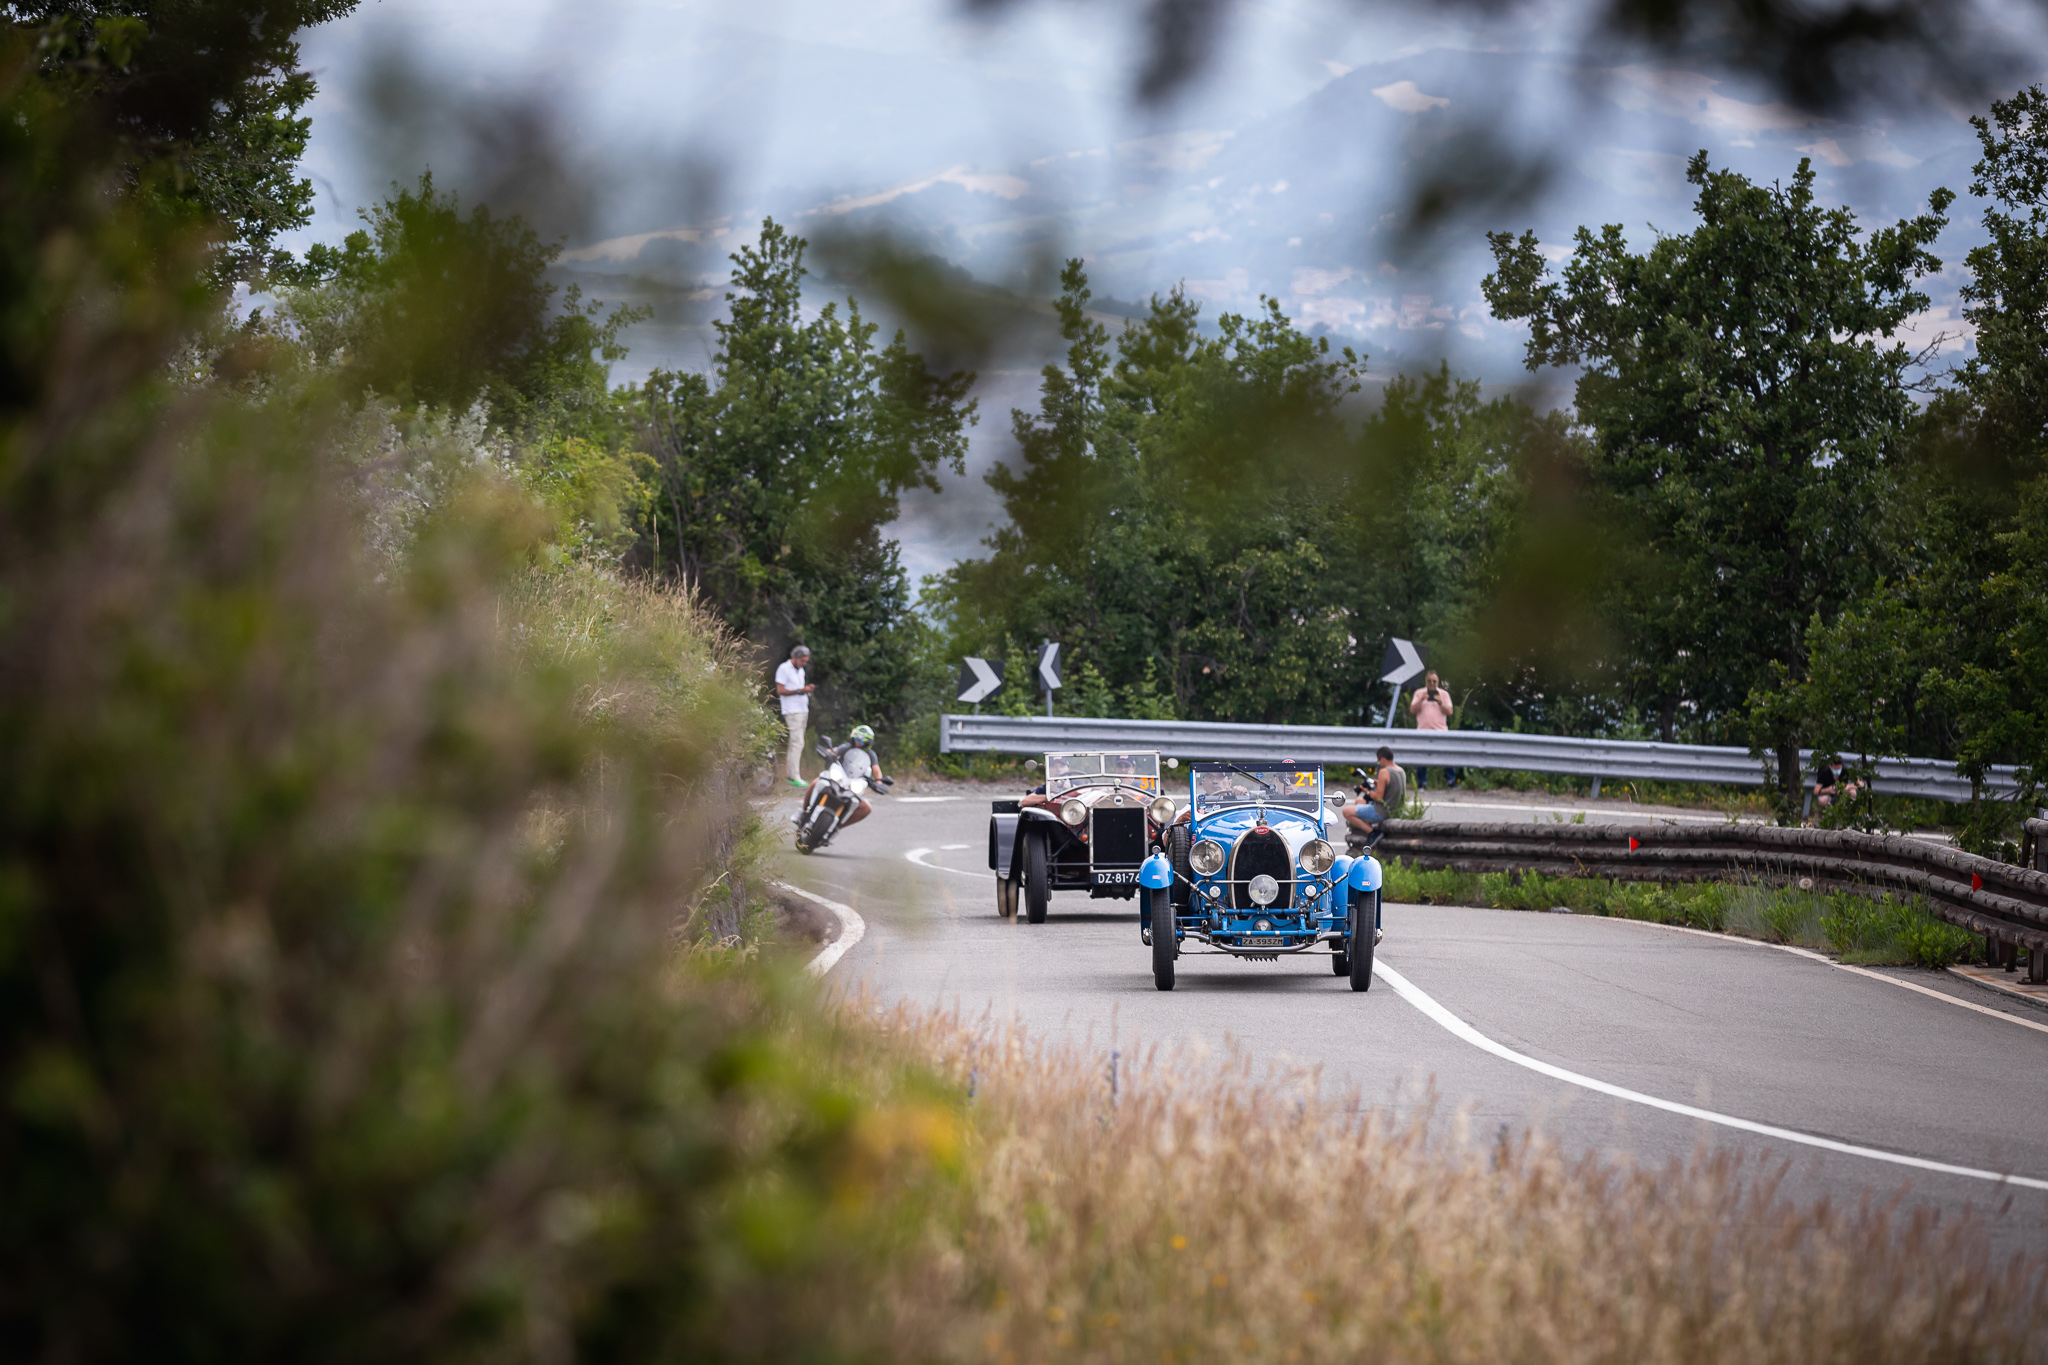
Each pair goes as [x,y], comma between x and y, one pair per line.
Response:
[1134,769]
[1244,784]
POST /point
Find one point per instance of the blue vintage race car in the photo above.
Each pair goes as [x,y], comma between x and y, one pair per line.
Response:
[1250,871]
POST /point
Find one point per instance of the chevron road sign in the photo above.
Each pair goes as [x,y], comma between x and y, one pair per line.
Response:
[1405,659]
[1049,666]
[978,678]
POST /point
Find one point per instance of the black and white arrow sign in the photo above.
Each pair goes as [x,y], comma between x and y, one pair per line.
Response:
[978,678]
[1405,659]
[1049,666]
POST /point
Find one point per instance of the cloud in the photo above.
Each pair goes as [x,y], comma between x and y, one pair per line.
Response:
[1691,96]
[627,248]
[1310,280]
[1338,68]
[1187,151]
[1002,186]
[1832,151]
[1403,95]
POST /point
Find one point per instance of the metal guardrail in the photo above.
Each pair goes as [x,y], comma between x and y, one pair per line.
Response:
[1337,744]
[2006,903]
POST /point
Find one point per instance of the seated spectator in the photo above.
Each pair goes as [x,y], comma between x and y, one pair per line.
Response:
[1828,783]
[1389,794]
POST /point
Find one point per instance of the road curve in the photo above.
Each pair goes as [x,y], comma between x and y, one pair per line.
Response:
[1623,1039]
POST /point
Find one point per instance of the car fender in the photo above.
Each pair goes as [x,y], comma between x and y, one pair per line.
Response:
[1002,842]
[1365,875]
[1340,869]
[1156,873]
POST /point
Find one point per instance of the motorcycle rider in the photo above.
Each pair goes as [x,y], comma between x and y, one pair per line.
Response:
[856,758]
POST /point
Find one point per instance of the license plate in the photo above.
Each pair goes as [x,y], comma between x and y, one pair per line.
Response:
[1129,878]
[1255,942]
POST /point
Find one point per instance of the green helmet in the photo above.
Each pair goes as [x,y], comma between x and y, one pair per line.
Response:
[862,735]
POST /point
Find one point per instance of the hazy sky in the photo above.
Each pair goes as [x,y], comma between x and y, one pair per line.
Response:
[674,127]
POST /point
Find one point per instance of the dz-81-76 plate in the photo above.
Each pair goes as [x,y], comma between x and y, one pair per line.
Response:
[1122,877]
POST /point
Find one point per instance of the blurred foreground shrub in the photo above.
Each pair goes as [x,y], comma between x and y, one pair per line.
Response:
[350,859]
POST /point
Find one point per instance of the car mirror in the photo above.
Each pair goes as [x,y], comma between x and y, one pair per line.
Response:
[1173,763]
[1032,764]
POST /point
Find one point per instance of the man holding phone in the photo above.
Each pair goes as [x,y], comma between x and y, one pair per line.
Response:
[1431,707]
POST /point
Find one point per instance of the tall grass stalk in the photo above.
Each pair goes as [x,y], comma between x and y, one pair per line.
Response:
[1204,1210]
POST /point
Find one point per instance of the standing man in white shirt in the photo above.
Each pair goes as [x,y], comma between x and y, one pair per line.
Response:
[795,694]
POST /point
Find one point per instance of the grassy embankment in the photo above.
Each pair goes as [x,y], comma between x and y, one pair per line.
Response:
[1857,928]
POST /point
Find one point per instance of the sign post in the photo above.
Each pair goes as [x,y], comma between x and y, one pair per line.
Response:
[1405,660]
[978,678]
[1049,671]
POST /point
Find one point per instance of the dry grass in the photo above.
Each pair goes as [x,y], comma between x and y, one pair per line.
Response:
[1155,1206]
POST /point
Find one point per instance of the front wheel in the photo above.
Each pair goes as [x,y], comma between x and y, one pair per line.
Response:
[1037,878]
[1165,942]
[815,829]
[1365,914]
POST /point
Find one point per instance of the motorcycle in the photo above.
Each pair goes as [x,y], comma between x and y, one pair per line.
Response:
[832,798]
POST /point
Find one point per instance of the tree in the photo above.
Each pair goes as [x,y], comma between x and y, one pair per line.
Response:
[203,96]
[1746,415]
[1171,512]
[432,306]
[778,471]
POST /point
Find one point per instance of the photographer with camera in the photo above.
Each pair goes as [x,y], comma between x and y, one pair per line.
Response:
[1431,707]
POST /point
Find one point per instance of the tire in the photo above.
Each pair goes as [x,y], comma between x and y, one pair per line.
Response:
[1037,878]
[1165,942]
[1179,839]
[1340,965]
[814,832]
[1365,914]
[1006,898]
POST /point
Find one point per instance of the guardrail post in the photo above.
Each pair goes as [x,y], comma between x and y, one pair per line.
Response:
[2037,967]
[2008,956]
[1596,790]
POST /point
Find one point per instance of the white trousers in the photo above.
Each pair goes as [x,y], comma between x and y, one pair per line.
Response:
[795,721]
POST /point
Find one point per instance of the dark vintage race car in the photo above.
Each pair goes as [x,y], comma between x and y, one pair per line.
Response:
[1251,872]
[1089,830]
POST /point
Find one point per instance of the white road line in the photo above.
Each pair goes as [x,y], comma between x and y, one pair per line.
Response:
[917,855]
[1421,999]
[917,800]
[1825,960]
[852,928]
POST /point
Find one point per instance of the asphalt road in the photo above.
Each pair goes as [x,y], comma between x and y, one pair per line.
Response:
[1624,1039]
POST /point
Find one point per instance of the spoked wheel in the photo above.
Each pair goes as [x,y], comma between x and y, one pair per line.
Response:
[1165,941]
[1037,878]
[1006,898]
[1365,915]
[1179,839]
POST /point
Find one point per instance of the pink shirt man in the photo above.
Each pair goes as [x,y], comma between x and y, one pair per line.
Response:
[1431,712]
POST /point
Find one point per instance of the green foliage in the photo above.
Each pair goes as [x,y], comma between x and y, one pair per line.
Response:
[345,856]
[1747,417]
[775,475]
[1857,928]
[433,307]
[202,98]
[1169,523]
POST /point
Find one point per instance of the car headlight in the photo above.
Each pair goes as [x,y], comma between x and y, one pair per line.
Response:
[1316,857]
[1206,857]
[1264,890]
[1074,812]
[1161,810]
